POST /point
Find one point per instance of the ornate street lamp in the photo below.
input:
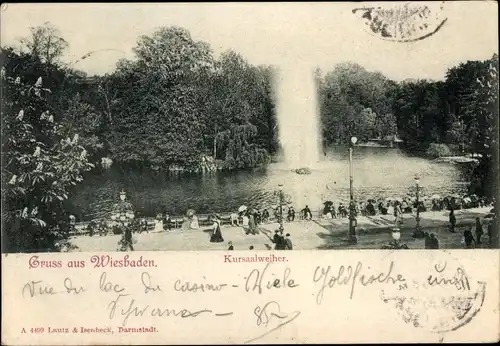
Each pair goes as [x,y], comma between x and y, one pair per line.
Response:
[72,223]
[352,208]
[395,243]
[123,211]
[417,233]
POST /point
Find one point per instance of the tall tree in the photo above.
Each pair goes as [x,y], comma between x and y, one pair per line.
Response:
[39,168]
[46,43]
[238,108]
[356,102]
[482,113]
[417,108]
[156,114]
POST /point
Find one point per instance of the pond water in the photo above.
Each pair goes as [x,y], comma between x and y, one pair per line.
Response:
[377,172]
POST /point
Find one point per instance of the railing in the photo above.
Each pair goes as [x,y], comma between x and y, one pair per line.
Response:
[203,220]
[225,218]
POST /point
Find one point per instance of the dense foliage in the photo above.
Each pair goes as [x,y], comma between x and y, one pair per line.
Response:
[456,116]
[39,168]
[175,103]
[355,102]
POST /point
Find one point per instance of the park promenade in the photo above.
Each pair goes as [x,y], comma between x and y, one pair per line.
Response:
[373,232]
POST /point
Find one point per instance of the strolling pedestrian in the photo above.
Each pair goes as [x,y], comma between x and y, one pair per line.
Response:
[362,208]
[234,219]
[194,222]
[231,247]
[167,222]
[342,211]
[329,213]
[421,207]
[276,240]
[370,209]
[453,220]
[127,239]
[103,228]
[265,216]
[246,219]
[279,240]
[390,208]
[398,214]
[332,211]
[282,240]
[252,226]
[434,242]
[326,211]
[307,213]
[291,214]
[435,205]
[468,239]
[159,222]
[491,224]
[216,231]
[143,223]
[258,217]
[427,240]
[289,245]
[381,208]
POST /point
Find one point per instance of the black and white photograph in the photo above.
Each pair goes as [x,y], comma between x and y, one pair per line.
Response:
[255,127]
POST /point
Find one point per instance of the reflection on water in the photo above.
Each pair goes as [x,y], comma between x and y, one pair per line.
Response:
[378,172]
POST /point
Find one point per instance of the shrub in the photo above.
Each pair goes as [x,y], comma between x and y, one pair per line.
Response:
[438,150]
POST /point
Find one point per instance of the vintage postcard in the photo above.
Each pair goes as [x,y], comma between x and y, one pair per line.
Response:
[260,173]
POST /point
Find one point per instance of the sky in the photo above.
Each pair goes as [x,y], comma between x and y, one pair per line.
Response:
[319,34]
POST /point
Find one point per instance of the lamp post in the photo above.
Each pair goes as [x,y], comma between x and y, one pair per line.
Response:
[123,211]
[72,224]
[352,218]
[417,233]
[281,196]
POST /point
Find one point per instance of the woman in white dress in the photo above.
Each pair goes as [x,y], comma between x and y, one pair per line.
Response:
[398,214]
[194,222]
[159,223]
[390,209]
[246,219]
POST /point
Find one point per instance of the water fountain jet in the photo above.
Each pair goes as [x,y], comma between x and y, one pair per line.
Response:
[298,117]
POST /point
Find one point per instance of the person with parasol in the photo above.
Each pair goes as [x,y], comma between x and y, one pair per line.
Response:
[328,210]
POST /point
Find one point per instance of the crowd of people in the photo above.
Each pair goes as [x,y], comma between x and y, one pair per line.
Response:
[405,205]
[251,217]
[470,241]
[126,222]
